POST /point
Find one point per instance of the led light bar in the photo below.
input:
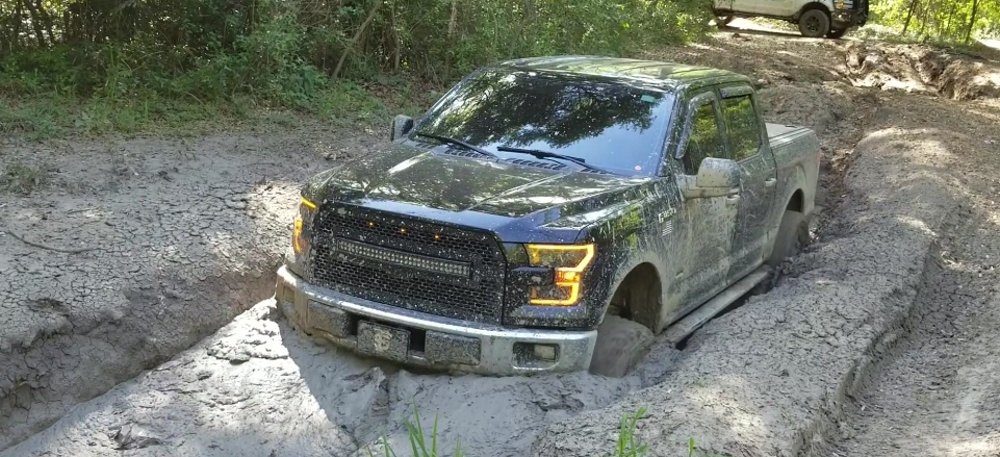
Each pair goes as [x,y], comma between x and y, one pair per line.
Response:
[403,259]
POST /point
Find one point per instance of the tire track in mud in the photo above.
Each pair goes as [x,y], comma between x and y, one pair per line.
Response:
[180,236]
[933,391]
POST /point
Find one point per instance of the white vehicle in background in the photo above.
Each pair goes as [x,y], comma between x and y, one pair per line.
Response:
[815,18]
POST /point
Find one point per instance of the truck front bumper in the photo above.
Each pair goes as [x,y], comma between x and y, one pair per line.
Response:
[422,339]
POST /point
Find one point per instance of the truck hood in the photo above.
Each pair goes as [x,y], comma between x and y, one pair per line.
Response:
[402,174]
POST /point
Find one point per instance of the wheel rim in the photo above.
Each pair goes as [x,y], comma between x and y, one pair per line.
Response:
[812,24]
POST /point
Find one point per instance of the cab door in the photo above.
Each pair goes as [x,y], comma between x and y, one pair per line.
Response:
[746,138]
[710,221]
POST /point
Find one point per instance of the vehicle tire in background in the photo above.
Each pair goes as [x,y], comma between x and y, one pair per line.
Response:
[792,236]
[620,345]
[836,34]
[814,23]
[723,20]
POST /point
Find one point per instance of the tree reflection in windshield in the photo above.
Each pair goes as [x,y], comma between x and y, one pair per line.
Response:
[608,123]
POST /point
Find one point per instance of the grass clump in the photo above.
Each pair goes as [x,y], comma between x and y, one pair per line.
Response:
[419,444]
[21,178]
[423,444]
[628,444]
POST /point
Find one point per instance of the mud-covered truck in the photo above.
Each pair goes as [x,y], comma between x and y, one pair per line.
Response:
[815,18]
[550,214]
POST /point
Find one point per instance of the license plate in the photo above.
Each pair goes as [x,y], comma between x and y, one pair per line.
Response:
[383,340]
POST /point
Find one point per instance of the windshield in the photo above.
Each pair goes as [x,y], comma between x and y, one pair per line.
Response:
[609,124]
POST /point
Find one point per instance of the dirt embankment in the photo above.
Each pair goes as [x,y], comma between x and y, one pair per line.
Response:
[770,378]
[134,251]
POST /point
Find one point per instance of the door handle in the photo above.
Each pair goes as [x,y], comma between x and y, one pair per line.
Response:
[770,182]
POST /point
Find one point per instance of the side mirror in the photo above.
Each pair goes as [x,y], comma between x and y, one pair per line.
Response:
[401,125]
[716,178]
[718,173]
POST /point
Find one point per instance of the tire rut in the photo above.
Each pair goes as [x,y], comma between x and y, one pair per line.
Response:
[935,392]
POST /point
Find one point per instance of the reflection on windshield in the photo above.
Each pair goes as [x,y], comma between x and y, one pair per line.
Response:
[612,125]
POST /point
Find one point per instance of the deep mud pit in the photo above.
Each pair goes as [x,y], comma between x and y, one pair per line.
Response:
[774,377]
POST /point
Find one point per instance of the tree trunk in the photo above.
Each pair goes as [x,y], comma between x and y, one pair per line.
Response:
[453,20]
[951,15]
[923,20]
[16,21]
[46,21]
[357,37]
[909,15]
[397,40]
[972,20]
[530,11]
[36,22]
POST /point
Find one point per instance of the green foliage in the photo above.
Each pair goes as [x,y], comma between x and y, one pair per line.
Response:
[418,440]
[289,53]
[22,179]
[940,21]
[628,443]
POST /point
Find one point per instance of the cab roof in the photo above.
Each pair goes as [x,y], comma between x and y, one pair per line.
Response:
[665,74]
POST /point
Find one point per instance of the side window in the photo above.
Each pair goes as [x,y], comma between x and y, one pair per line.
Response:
[705,139]
[742,126]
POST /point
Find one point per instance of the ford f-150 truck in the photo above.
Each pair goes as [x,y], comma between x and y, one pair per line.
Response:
[544,210]
[815,18]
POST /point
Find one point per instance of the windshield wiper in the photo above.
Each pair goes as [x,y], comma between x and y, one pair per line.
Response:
[552,155]
[457,142]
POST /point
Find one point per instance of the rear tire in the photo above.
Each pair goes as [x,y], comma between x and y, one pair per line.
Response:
[814,23]
[792,236]
[621,343]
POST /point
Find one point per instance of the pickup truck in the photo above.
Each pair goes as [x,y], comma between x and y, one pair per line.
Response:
[550,214]
[815,18]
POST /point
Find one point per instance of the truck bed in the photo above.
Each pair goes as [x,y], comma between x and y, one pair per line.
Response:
[783,137]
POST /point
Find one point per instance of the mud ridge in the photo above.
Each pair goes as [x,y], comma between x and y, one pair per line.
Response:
[815,437]
[921,69]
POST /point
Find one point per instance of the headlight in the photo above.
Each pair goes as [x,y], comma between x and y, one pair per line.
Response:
[300,232]
[569,262]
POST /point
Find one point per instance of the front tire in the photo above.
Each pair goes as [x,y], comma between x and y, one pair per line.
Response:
[792,236]
[814,23]
[723,20]
[621,343]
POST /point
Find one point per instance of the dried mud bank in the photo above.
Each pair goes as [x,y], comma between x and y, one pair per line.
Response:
[135,250]
[769,377]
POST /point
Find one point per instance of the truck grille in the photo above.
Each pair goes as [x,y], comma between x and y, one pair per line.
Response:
[398,261]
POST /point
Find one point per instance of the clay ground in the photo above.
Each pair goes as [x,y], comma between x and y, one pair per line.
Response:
[877,341]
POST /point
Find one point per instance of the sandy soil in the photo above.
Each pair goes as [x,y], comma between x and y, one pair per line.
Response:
[185,234]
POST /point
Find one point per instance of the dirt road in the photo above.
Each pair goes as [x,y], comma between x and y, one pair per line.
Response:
[774,377]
